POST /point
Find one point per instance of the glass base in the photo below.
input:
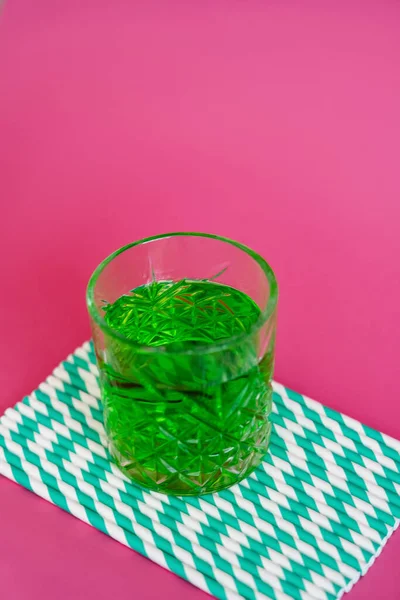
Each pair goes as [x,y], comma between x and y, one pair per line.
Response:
[193,484]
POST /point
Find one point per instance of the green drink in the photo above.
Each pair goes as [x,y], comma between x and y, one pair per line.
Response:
[185,373]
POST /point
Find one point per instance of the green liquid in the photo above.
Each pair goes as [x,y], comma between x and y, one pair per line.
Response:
[192,416]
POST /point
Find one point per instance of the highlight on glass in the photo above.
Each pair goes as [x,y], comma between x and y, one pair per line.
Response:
[184,333]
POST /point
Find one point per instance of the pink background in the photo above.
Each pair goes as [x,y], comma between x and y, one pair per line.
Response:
[276,123]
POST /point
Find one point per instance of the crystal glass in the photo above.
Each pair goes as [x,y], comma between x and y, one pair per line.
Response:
[184,332]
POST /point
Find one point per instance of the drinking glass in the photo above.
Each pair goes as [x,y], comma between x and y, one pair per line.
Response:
[186,418]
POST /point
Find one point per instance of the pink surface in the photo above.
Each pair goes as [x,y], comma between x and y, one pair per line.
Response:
[274,123]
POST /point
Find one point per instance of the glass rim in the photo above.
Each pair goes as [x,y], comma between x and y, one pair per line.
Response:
[201,348]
